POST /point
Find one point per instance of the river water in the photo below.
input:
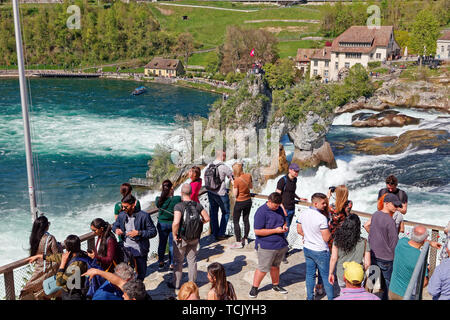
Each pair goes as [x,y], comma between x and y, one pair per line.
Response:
[89,136]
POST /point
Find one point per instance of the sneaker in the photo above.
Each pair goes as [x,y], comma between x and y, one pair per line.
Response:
[285,260]
[220,238]
[279,289]
[237,245]
[161,266]
[253,292]
[319,291]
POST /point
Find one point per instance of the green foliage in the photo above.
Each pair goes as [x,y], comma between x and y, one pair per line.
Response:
[161,166]
[296,102]
[123,31]
[281,74]
[424,33]
[402,38]
[340,17]
[356,84]
[374,64]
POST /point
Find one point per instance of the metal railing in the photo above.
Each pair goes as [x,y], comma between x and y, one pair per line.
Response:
[415,286]
[16,273]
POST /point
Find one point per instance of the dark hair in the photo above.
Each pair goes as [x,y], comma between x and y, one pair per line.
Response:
[73,243]
[392,180]
[130,199]
[348,234]
[317,196]
[135,289]
[166,187]
[275,197]
[125,189]
[99,223]
[39,228]
[223,288]
[197,172]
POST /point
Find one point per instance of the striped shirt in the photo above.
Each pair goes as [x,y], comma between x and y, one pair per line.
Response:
[356,294]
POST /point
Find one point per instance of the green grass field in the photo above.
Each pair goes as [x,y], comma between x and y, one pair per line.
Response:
[289,48]
[208,26]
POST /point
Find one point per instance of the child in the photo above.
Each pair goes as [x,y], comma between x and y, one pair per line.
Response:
[221,289]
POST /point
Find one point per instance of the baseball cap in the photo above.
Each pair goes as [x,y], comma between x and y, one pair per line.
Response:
[353,272]
[390,197]
[294,167]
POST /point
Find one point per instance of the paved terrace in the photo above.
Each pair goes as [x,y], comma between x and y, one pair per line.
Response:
[240,265]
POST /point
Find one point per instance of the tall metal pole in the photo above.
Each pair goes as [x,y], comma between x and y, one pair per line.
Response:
[24,102]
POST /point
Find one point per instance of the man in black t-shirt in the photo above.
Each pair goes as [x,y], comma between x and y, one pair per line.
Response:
[286,186]
[391,187]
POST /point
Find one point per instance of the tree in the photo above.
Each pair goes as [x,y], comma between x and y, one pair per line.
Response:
[185,46]
[240,42]
[280,75]
[424,33]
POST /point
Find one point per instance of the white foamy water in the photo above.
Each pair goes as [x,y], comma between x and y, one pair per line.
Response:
[84,134]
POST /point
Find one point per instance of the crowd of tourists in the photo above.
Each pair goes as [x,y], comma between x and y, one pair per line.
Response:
[339,261]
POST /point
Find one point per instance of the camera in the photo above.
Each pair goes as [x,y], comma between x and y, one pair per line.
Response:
[332,189]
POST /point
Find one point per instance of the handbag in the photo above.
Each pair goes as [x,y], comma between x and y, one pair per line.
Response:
[49,284]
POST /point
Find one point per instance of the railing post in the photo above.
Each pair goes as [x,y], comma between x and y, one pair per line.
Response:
[91,243]
[9,285]
[433,252]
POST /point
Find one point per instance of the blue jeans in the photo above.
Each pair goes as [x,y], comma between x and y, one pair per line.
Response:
[321,261]
[386,273]
[164,233]
[216,202]
[290,216]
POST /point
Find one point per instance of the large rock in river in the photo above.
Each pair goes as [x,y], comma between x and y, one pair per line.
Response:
[389,118]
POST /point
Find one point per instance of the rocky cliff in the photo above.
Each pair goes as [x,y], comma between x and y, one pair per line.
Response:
[404,93]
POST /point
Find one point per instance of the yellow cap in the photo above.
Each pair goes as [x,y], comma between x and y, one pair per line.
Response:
[353,272]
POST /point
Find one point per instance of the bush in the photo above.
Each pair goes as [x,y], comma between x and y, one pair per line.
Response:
[374,64]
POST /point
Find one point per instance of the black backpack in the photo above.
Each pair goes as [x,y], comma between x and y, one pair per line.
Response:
[212,177]
[191,222]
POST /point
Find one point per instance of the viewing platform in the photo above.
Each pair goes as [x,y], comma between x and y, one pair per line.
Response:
[239,264]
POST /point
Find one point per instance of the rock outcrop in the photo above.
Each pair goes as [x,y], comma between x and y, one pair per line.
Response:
[402,93]
[389,118]
[426,138]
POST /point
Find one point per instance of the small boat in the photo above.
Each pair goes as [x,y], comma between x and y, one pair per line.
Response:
[139,91]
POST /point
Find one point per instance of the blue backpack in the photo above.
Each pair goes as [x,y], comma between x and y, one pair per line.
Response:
[90,286]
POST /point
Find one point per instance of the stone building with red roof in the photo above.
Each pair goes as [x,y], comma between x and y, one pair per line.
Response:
[443,46]
[358,44]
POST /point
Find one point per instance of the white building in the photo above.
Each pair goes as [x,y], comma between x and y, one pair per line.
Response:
[358,44]
[443,47]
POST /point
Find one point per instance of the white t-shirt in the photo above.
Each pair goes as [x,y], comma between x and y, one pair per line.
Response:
[312,222]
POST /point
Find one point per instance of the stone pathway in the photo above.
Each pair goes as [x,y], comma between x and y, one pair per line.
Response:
[240,265]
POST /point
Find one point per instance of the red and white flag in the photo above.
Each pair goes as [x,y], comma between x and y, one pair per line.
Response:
[253,52]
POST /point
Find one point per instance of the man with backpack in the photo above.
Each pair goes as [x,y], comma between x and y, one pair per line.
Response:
[136,229]
[187,227]
[215,174]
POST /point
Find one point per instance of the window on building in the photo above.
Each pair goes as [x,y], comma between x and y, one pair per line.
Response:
[442,49]
[378,55]
[353,55]
[315,72]
[336,65]
[347,64]
[326,73]
[316,63]
[327,64]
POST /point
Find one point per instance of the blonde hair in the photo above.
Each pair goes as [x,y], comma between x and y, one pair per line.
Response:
[341,197]
[187,289]
[237,169]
